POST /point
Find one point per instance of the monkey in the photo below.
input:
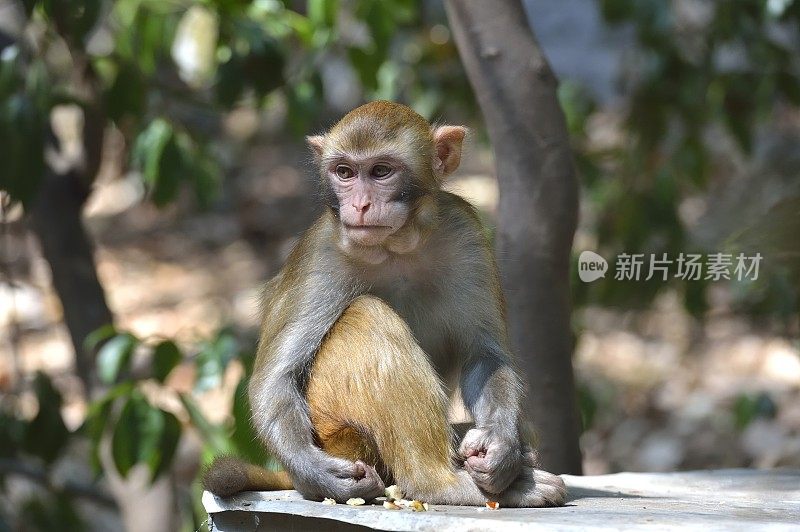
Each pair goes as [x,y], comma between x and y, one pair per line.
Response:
[386,303]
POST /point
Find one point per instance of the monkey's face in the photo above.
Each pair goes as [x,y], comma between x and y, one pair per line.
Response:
[372,196]
[378,163]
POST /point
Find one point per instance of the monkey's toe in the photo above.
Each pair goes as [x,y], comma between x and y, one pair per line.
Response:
[370,485]
[551,488]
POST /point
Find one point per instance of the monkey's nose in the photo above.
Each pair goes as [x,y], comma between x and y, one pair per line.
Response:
[362,207]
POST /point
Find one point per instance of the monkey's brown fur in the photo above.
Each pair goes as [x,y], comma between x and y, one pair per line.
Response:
[370,312]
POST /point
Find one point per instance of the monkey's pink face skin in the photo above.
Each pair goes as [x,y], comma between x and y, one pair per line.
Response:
[369,191]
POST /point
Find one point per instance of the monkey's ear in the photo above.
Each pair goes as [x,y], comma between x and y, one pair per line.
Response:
[447,140]
[317,143]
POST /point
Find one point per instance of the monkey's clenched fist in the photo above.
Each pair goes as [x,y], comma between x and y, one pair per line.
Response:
[493,458]
[386,305]
[338,479]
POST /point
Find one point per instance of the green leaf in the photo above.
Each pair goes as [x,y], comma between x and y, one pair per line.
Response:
[114,357]
[97,419]
[127,95]
[264,66]
[213,359]
[46,434]
[173,167]
[23,121]
[323,12]
[230,82]
[304,104]
[144,435]
[98,336]
[166,356]
[167,444]
[150,30]
[149,147]
[747,408]
[160,159]
[74,18]
[206,176]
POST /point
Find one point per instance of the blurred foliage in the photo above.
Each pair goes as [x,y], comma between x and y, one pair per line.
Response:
[748,408]
[689,83]
[140,428]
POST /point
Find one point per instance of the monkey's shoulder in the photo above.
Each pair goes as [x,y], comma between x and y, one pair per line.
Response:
[458,216]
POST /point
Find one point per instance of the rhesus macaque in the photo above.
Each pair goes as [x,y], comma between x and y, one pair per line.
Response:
[387,302]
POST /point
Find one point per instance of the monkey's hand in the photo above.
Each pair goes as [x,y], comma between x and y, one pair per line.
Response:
[338,479]
[492,458]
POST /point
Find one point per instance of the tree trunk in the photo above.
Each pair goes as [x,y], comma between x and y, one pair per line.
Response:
[537,211]
[56,219]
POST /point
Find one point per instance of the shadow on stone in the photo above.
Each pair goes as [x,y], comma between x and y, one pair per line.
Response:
[576,493]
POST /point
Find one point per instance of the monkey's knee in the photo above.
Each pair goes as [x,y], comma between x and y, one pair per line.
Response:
[352,378]
[370,350]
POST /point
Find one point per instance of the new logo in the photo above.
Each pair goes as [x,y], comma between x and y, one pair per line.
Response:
[591,266]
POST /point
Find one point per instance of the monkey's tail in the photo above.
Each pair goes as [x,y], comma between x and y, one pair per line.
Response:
[228,476]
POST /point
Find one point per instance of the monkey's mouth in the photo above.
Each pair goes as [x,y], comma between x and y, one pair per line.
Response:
[367,234]
[367,226]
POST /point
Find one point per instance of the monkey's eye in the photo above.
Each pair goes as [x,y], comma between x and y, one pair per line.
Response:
[344,172]
[381,170]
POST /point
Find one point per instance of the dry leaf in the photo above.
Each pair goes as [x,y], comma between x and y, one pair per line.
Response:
[389,505]
[493,505]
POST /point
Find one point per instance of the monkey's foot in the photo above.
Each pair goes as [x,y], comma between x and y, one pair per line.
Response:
[535,488]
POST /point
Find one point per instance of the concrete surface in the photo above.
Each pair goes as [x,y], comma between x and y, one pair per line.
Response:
[734,499]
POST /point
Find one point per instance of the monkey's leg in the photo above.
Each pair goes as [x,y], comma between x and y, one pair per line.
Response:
[374,396]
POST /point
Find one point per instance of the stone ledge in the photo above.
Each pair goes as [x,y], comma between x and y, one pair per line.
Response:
[707,500]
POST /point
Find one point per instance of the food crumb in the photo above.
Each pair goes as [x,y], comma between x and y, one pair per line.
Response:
[355,501]
[328,500]
[417,506]
[394,492]
[493,505]
[389,505]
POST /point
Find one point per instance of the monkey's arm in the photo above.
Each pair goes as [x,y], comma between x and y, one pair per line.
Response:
[296,321]
[492,391]
[490,387]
